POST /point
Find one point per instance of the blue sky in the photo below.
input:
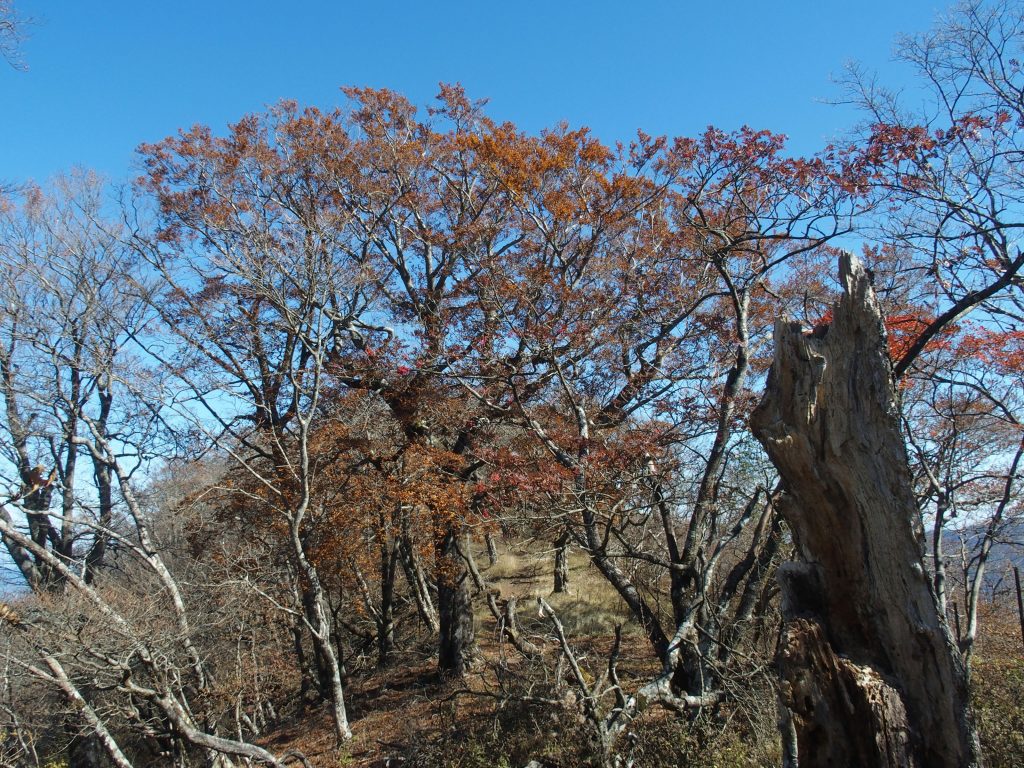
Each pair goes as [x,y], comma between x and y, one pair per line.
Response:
[104,76]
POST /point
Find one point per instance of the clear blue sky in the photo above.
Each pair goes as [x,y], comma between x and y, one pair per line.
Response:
[104,76]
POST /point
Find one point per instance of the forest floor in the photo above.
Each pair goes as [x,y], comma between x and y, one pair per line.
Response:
[406,713]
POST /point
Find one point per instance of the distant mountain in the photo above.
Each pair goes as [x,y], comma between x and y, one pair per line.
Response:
[1007,552]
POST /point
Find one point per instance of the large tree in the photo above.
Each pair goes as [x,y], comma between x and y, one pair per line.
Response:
[870,672]
[946,170]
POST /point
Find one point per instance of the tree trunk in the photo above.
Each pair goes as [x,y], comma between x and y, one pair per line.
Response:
[492,548]
[301,661]
[37,507]
[418,583]
[320,629]
[1020,602]
[319,665]
[386,616]
[105,496]
[869,670]
[455,609]
[562,563]
[465,550]
[84,751]
[329,667]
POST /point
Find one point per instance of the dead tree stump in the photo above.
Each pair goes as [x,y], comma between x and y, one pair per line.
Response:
[869,672]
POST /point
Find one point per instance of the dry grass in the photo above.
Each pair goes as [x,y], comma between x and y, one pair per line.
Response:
[591,606]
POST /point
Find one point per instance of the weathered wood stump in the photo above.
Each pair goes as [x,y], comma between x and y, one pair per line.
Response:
[869,672]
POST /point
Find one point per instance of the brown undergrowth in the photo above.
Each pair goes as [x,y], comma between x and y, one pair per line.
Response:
[511,710]
[500,716]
